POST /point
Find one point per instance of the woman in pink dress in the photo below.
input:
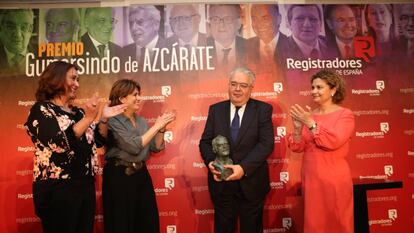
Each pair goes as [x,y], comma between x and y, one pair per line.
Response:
[323,135]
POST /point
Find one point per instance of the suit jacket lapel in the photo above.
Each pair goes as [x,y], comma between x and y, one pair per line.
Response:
[240,50]
[248,114]
[226,124]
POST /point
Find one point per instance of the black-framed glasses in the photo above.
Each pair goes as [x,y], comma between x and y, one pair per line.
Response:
[302,19]
[183,18]
[11,26]
[217,20]
[105,21]
[244,86]
[406,18]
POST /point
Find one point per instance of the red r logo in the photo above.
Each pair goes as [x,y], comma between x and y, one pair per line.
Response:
[364,47]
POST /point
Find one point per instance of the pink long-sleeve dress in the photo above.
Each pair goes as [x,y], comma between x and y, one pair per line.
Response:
[326,177]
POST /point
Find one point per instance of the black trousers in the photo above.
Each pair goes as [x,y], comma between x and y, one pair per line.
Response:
[129,203]
[231,205]
[65,206]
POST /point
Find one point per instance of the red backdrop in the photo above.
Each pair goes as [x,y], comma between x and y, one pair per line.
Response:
[380,92]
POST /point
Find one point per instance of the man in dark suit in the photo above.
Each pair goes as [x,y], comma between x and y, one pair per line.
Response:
[185,21]
[406,21]
[264,47]
[144,25]
[229,48]
[247,123]
[16,28]
[62,25]
[305,22]
[99,24]
[341,20]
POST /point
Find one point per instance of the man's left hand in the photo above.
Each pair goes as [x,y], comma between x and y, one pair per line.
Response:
[238,172]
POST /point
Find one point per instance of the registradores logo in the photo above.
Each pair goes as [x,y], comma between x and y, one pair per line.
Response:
[169,184]
[283,179]
[379,87]
[286,225]
[166,91]
[278,87]
[380,84]
[168,136]
[281,131]
[388,172]
[392,217]
[280,134]
[171,229]
[364,47]
[384,129]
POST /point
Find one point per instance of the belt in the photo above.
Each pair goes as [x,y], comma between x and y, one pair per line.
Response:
[130,167]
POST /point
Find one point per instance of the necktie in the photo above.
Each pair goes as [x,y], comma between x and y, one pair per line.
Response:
[268,52]
[347,51]
[140,53]
[235,125]
[17,63]
[226,56]
[314,54]
[101,49]
[17,59]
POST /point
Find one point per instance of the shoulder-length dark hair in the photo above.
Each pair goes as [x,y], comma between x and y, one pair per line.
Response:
[334,81]
[52,82]
[122,88]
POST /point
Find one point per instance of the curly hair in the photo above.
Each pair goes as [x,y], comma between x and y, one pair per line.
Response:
[334,81]
[52,82]
[122,88]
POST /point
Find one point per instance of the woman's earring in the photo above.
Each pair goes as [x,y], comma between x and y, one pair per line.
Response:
[332,94]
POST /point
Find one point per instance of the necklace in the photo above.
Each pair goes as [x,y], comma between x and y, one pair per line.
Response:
[62,106]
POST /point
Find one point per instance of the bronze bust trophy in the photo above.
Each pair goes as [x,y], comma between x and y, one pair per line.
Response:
[221,148]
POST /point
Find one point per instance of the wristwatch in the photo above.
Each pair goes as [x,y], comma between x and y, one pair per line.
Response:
[313,126]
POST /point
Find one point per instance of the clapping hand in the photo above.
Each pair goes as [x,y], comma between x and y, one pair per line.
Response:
[108,112]
[163,120]
[301,116]
[91,106]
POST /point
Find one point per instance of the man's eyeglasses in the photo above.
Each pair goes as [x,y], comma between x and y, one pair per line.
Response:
[105,21]
[184,18]
[302,19]
[217,20]
[11,27]
[406,18]
[57,26]
[243,86]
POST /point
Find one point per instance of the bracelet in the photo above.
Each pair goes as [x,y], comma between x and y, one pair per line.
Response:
[103,122]
[313,126]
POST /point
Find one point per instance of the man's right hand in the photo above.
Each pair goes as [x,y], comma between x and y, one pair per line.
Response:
[216,174]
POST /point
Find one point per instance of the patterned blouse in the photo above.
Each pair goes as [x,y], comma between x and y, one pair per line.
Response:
[58,153]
